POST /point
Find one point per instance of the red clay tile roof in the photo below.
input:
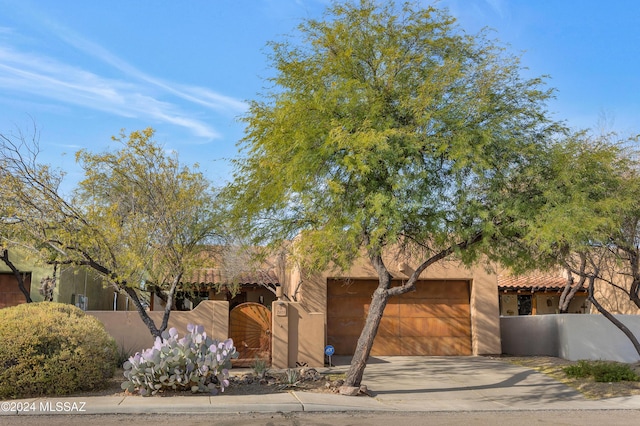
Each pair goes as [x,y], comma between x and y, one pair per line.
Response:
[211,276]
[531,283]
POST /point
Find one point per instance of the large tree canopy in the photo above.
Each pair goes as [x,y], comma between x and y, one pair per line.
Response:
[590,217]
[388,125]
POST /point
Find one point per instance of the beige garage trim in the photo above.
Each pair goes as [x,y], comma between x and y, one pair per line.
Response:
[433,320]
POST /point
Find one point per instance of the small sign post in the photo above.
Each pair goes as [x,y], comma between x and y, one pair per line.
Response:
[328,351]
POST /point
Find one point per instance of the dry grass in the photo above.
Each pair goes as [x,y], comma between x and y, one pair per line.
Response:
[553,367]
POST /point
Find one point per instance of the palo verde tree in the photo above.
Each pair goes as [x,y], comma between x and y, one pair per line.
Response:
[388,126]
[138,217]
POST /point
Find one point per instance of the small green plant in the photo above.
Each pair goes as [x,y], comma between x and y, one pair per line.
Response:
[196,362]
[602,371]
[578,371]
[260,368]
[290,378]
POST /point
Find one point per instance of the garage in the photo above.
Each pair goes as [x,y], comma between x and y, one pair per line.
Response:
[433,320]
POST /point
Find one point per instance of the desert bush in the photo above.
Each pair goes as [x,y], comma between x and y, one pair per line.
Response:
[52,349]
[602,371]
[196,362]
[578,371]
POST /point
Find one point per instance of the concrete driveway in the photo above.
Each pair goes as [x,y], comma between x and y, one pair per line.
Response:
[470,384]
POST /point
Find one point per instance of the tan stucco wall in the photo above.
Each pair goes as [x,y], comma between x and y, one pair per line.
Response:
[615,300]
[132,335]
[485,318]
[485,322]
[297,336]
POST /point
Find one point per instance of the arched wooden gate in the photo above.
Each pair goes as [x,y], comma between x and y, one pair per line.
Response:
[250,329]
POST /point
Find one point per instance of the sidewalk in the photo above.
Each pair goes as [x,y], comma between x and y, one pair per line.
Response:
[409,384]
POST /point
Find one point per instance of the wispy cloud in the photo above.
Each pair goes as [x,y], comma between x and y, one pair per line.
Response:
[497,6]
[195,94]
[136,94]
[45,77]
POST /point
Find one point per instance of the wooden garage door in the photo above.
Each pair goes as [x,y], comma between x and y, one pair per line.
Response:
[433,320]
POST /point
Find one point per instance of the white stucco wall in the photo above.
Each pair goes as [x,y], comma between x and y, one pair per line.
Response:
[570,336]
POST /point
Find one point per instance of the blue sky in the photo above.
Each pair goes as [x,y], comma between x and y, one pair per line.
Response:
[83,70]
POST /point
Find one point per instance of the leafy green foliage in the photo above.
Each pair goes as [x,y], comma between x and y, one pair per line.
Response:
[52,349]
[195,362]
[387,125]
[587,189]
[137,216]
[578,371]
[147,212]
[588,221]
[602,371]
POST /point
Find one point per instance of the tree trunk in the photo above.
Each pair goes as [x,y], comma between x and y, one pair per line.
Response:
[569,291]
[379,301]
[634,291]
[365,341]
[169,304]
[4,255]
[612,318]
[143,312]
[146,319]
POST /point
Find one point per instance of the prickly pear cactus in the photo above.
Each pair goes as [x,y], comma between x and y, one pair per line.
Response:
[195,362]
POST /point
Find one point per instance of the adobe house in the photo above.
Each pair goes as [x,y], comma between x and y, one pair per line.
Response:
[454,310]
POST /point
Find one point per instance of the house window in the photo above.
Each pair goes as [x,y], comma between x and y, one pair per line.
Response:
[524,304]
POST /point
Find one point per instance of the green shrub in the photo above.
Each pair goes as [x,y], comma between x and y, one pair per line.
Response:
[613,372]
[52,349]
[578,371]
[602,371]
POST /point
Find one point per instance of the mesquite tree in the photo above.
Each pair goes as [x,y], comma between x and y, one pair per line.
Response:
[590,217]
[389,126]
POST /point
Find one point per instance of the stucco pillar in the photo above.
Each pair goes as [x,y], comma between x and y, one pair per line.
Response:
[280,334]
